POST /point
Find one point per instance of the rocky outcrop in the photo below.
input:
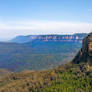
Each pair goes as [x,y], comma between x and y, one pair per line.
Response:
[85,54]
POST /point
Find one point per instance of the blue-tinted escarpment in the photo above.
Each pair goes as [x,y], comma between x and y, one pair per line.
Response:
[47,38]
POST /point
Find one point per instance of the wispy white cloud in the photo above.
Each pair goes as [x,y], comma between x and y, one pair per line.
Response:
[14,28]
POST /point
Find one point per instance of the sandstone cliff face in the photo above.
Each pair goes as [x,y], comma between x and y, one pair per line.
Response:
[60,38]
[85,54]
[48,38]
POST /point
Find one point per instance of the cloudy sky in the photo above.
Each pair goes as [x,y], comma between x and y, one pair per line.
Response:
[27,17]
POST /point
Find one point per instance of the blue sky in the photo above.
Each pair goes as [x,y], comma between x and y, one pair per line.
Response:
[57,10]
[23,17]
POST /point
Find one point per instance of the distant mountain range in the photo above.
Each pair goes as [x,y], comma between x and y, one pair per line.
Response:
[39,52]
[60,38]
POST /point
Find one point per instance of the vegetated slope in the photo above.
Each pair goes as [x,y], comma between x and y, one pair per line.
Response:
[66,78]
[4,72]
[36,55]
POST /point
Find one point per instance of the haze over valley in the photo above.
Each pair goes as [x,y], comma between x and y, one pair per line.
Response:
[45,45]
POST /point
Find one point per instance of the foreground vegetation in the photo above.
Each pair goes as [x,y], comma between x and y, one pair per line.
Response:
[66,78]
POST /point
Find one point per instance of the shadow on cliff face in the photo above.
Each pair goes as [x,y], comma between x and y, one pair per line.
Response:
[85,53]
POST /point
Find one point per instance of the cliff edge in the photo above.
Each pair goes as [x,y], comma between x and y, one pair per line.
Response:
[85,53]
